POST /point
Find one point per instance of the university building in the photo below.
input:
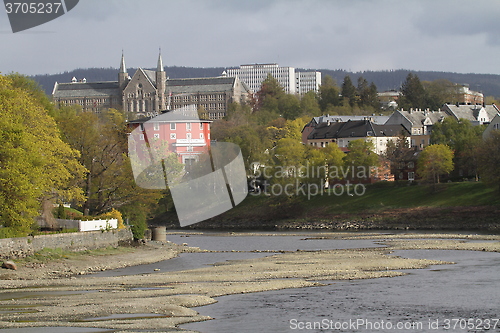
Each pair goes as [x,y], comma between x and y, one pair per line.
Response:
[292,81]
[148,93]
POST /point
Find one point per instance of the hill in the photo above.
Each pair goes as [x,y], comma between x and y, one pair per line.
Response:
[488,84]
[451,206]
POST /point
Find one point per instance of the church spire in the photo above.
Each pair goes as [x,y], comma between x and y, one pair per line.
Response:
[159,66]
[123,69]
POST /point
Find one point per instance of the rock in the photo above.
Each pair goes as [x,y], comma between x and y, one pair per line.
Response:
[9,265]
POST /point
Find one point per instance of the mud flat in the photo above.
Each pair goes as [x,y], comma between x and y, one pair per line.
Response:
[161,301]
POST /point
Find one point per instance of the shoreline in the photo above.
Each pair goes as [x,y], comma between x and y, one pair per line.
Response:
[168,298]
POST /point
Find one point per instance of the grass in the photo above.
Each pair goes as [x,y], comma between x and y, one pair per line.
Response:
[48,254]
[377,197]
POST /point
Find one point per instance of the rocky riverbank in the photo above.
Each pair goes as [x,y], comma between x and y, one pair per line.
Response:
[473,218]
[163,300]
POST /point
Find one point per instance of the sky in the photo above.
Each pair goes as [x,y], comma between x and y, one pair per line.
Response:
[354,35]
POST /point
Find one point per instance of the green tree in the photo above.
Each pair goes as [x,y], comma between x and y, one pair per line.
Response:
[289,106]
[489,158]
[35,164]
[360,158]
[413,94]
[328,94]
[349,92]
[463,138]
[309,104]
[269,94]
[435,160]
[102,143]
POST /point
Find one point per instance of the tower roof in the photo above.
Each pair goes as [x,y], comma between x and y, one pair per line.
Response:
[159,66]
[123,68]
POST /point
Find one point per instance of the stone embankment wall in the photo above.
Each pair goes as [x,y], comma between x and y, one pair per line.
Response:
[75,241]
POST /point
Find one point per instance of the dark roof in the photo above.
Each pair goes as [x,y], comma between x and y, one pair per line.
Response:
[87,89]
[356,129]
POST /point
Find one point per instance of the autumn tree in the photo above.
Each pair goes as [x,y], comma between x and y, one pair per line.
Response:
[434,161]
[35,164]
[102,143]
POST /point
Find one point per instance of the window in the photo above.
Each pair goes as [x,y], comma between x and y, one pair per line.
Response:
[157,136]
[411,165]
[189,148]
[172,126]
[156,126]
[201,126]
[188,136]
[411,175]
[141,137]
[173,136]
[188,126]
[201,136]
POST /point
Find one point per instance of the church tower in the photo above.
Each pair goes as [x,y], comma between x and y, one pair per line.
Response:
[122,75]
[161,85]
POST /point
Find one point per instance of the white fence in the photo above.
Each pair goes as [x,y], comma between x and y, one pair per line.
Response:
[97,225]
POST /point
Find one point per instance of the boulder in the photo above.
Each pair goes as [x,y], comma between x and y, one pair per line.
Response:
[9,265]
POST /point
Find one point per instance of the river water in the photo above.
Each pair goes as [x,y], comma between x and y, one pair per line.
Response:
[462,297]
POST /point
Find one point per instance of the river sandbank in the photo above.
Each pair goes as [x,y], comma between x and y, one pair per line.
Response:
[161,301]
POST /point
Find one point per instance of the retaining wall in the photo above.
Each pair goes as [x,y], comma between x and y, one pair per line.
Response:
[75,241]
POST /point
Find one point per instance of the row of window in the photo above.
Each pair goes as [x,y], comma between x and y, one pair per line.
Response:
[173,136]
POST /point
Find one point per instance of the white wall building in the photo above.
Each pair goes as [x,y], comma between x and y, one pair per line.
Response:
[292,82]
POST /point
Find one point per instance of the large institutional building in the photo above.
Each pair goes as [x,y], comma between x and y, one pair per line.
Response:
[148,93]
[292,81]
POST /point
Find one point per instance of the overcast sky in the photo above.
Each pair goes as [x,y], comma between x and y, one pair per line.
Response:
[437,35]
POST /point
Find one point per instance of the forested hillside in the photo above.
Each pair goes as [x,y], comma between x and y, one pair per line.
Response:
[488,84]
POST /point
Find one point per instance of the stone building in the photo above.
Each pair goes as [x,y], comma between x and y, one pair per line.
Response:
[148,93]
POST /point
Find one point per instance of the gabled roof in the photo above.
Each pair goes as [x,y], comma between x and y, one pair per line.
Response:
[356,129]
[376,119]
[419,118]
[462,111]
[202,85]
[87,89]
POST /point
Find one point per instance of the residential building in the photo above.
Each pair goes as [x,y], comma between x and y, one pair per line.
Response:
[148,93]
[418,123]
[494,125]
[476,114]
[184,133]
[292,81]
[315,121]
[467,96]
[344,132]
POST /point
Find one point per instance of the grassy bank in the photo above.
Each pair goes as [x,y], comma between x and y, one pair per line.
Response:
[383,205]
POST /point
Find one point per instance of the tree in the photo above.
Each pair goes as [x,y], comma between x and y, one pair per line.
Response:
[102,143]
[463,138]
[348,91]
[398,151]
[413,94]
[489,159]
[328,94]
[269,94]
[360,158]
[309,104]
[35,164]
[435,160]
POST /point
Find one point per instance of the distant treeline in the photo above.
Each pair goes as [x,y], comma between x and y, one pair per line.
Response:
[488,84]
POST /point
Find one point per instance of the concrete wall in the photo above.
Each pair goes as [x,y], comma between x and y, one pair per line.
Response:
[76,241]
